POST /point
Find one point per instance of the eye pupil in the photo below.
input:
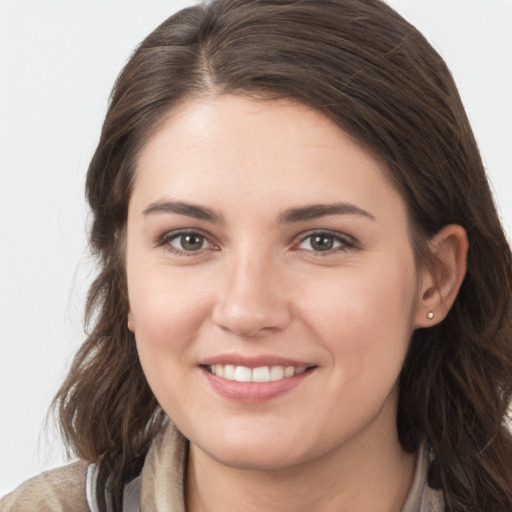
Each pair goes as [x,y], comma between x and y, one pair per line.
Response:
[191,242]
[322,242]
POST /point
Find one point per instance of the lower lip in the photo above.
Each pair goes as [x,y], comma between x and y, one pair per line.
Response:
[254,392]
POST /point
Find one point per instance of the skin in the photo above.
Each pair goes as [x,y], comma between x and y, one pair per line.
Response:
[258,286]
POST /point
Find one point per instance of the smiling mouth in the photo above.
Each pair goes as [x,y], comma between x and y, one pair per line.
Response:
[258,374]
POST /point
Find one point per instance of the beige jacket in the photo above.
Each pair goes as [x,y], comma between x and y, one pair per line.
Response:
[68,489]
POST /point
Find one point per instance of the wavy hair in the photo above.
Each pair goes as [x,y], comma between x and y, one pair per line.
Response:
[380,81]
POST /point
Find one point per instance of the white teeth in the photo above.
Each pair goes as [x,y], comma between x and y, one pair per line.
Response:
[243,374]
[276,373]
[229,371]
[259,374]
[289,371]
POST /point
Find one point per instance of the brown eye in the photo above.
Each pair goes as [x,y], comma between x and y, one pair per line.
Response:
[325,241]
[191,242]
[186,242]
[322,242]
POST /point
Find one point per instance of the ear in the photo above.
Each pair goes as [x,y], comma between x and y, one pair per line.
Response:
[442,278]
[131,321]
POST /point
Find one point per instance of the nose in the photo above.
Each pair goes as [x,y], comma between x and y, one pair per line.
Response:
[252,298]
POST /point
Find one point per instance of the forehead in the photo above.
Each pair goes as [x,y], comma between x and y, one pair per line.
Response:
[266,151]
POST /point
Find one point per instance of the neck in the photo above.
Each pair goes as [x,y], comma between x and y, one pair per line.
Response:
[360,476]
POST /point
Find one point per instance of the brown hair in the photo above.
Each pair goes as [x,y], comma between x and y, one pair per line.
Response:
[374,75]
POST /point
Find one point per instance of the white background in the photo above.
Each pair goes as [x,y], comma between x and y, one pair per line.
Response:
[58,61]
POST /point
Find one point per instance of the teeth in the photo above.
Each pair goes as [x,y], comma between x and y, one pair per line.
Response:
[242,374]
[289,371]
[276,373]
[229,371]
[260,374]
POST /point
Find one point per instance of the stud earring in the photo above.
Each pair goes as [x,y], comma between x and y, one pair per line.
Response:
[430,315]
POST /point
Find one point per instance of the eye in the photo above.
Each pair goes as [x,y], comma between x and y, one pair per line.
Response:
[185,242]
[324,241]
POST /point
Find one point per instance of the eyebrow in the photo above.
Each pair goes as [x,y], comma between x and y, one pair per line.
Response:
[188,209]
[315,211]
[291,215]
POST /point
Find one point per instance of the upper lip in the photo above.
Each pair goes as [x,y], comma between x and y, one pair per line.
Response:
[254,361]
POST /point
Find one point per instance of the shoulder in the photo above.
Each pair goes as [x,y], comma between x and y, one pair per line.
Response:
[60,489]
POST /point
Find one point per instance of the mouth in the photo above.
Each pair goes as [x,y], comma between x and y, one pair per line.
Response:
[259,374]
[253,379]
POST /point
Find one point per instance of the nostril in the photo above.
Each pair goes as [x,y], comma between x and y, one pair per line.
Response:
[251,319]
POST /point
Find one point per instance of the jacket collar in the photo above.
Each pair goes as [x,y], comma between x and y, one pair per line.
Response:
[164,471]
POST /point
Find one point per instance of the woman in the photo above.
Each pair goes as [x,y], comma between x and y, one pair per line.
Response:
[288,316]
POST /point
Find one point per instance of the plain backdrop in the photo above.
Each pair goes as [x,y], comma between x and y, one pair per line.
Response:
[58,61]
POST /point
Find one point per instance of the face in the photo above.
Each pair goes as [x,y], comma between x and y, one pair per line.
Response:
[272,285]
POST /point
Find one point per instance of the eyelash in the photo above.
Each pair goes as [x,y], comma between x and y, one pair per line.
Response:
[345,242]
[167,238]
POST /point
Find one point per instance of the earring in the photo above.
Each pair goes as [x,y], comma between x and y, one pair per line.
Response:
[430,315]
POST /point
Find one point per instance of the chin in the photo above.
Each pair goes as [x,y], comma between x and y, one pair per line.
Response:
[253,451]
[257,459]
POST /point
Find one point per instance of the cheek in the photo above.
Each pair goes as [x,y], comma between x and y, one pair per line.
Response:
[166,307]
[364,317]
